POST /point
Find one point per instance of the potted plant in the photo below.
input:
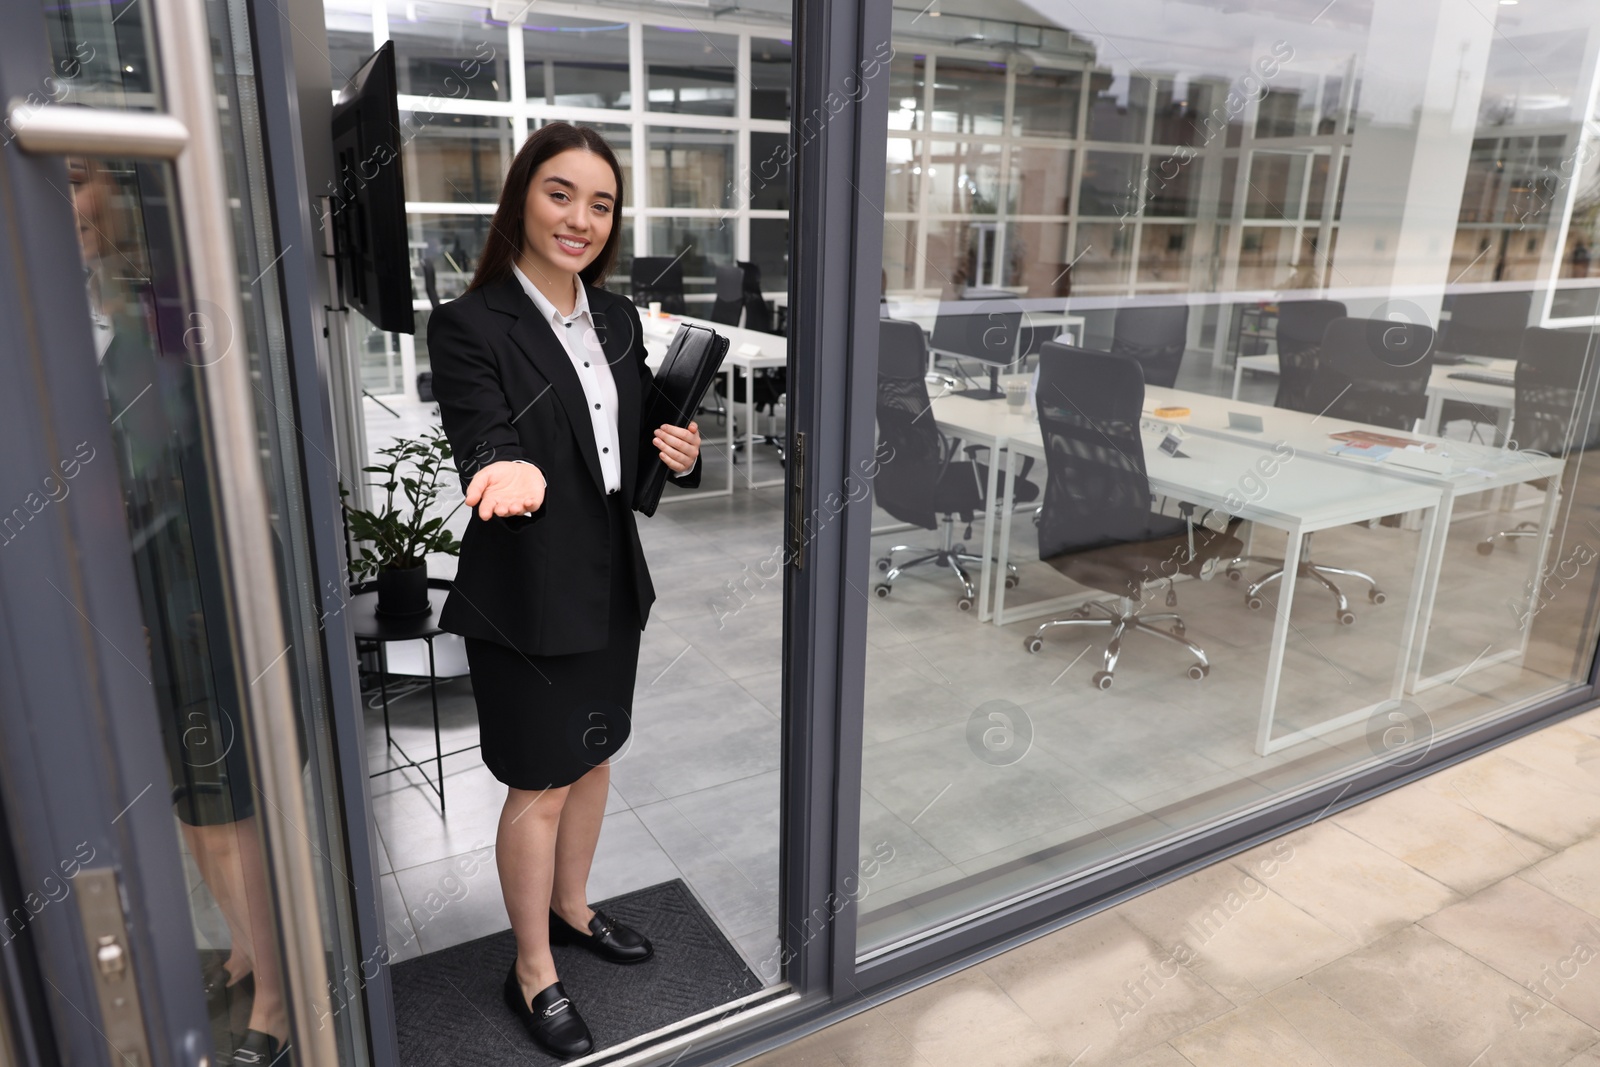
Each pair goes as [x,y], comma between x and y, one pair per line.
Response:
[395,540]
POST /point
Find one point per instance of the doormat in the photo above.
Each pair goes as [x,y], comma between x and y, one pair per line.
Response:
[450,1009]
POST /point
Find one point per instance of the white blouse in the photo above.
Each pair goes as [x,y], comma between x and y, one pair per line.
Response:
[577,335]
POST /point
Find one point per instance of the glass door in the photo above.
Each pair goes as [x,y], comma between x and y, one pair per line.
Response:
[177,885]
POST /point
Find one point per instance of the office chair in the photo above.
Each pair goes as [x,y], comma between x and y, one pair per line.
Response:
[1301,324]
[757,312]
[1553,412]
[728,307]
[1155,336]
[982,329]
[1376,372]
[659,278]
[733,303]
[1097,527]
[924,483]
[1482,324]
[1486,324]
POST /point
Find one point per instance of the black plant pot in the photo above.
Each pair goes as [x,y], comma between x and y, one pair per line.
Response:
[403,592]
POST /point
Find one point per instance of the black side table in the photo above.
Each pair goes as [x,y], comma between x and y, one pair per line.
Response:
[372,628]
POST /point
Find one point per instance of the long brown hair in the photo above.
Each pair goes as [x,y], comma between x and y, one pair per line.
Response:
[504,242]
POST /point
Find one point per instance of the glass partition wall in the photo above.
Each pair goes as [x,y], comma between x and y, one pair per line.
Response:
[1282,474]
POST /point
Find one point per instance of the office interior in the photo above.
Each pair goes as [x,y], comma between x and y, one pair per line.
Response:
[1180,194]
[1136,274]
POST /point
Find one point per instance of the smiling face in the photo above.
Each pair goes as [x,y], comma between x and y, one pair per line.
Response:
[568,215]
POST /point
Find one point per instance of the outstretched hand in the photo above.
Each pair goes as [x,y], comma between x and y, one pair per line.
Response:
[506,488]
[679,447]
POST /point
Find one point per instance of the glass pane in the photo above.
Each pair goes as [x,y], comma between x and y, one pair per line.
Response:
[1110,183]
[1165,253]
[441,50]
[771,74]
[455,158]
[964,178]
[899,274]
[690,72]
[103,57]
[1181,108]
[576,62]
[1118,107]
[1037,261]
[452,243]
[691,168]
[1041,180]
[1276,186]
[1317,187]
[1102,257]
[969,97]
[908,76]
[699,245]
[1047,102]
[958,256]
[1289,108]
[1172,186]
[1151,666]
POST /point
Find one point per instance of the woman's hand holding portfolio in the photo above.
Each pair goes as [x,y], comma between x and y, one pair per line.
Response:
[506,488]
[679,447]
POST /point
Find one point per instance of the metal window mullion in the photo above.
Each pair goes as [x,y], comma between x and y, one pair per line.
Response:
[380,23]
[925,157]
[1001,208]
[637,83]
[517,83]
[739,201]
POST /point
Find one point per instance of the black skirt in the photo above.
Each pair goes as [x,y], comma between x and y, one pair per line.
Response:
[546,721]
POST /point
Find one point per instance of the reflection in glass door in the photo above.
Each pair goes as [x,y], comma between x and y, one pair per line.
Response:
[187,335]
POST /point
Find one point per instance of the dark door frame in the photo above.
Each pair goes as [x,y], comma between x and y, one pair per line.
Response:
[77,716]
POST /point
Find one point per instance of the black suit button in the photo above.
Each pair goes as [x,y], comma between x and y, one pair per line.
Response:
[586,363]
[605,449]
[597,407]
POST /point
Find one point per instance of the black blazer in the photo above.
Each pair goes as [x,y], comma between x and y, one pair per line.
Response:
[507,390]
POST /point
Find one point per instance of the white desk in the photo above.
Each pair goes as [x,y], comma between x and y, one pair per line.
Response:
[748,351]
[1267,364]
[1474,468]
[1210,477]
[1493,400]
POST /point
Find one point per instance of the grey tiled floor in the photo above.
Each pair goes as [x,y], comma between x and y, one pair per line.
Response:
[1454,922]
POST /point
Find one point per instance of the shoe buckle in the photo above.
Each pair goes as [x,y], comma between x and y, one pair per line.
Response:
[559,1006]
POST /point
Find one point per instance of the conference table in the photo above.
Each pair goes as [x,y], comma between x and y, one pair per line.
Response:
[748,352]
[1210,475]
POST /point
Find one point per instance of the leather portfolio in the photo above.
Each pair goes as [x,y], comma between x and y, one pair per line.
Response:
[692,360]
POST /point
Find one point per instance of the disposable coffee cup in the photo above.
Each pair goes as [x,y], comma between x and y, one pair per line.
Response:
[655,309]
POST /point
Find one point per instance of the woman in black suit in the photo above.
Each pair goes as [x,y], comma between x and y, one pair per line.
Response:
[541,383]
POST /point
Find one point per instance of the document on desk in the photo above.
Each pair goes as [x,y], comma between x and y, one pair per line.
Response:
[1367,444]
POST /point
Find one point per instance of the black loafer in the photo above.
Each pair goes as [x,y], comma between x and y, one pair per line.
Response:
[607,938]
[553,1020]
[260,1050]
